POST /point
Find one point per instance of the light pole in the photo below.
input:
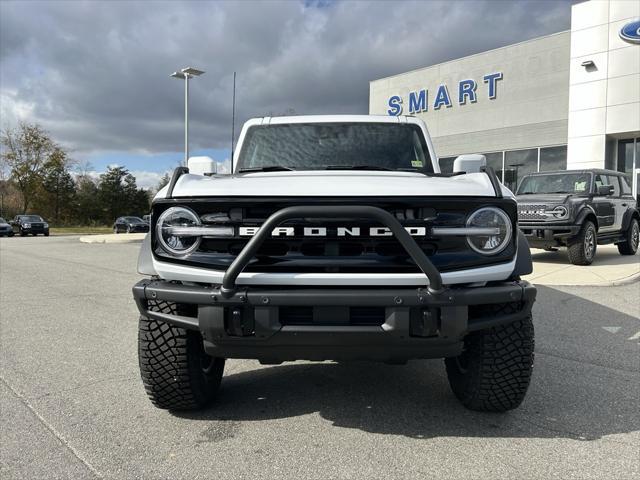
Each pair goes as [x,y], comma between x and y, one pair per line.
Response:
[186,74]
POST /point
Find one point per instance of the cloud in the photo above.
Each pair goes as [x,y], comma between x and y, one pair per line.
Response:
[95,73]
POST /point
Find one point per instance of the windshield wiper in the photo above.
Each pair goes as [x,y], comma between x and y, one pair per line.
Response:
[268,168]
[356,167]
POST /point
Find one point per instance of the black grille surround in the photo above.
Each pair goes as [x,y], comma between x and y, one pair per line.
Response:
[333,254]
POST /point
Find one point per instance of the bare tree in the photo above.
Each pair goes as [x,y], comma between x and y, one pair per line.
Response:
[26,149]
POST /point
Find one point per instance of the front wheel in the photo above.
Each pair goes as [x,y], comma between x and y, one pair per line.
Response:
[494,371]
[176,372]
[632,239]
[582,249]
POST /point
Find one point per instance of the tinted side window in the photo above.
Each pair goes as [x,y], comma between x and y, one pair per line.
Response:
[626,188]
[609,180]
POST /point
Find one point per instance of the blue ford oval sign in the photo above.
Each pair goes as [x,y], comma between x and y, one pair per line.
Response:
[631,32]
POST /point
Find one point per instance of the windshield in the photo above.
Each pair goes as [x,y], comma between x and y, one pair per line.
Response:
[133,220]
[555,183]
[375,146]
[31,218]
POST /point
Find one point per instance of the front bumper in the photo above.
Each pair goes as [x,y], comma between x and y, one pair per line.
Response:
[543,235]
[34,231]
[258,323]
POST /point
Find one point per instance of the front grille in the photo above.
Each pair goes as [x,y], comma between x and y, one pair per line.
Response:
[531,211]
[337,251]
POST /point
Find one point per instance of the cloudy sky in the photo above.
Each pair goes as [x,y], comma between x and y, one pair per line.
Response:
[95,73]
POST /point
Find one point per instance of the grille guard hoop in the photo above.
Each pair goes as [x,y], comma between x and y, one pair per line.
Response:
[331,211]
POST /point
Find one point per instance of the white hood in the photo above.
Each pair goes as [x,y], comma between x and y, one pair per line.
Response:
[333,184]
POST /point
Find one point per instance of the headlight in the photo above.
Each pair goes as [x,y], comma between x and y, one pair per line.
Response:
[26,225]
[170,237]
[46,225]
[489,217]
[179,230]
[559,212]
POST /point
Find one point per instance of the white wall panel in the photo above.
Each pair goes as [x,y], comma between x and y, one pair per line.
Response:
[624,61]
[589,41]
[579,74]
[585,149]
[588,95]
[623,118]
[587,122]
[622,90]
[589,14]
[623,9]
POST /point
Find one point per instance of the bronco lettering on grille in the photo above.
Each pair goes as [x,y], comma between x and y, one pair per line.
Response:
[339,231]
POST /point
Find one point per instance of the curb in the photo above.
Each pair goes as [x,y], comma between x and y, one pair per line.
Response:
[613,283]
[114,238]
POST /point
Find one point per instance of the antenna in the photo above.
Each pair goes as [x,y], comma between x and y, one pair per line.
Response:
[233,118]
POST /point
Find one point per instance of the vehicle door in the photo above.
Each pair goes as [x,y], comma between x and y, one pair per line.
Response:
[626,198]
[605,205]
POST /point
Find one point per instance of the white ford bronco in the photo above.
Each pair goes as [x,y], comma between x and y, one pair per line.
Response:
[335,238]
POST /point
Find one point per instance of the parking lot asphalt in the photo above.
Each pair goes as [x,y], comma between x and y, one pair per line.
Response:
[73,405]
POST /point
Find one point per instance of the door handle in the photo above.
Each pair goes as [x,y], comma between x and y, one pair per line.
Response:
[625,204]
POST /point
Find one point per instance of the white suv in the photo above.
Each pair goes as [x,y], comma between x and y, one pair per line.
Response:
[335,238]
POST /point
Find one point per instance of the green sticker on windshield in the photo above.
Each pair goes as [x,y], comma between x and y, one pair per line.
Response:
[416,163]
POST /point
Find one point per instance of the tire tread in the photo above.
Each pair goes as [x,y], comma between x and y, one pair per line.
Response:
[169,368]
[500,368]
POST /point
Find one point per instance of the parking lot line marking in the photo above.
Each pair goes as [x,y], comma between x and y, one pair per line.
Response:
[50,428]
[636,336]
[612,329]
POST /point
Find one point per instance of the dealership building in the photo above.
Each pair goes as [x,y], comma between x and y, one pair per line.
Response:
[569,100]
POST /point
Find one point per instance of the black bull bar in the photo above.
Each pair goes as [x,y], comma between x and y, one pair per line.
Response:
[356,211]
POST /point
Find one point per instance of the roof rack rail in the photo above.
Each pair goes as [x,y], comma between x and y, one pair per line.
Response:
[177,173]
[493,178]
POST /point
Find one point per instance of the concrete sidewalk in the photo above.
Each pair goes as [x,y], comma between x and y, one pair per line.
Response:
[608,268]
[114,238]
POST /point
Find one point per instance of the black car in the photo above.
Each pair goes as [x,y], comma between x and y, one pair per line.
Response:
[130,225]
[30,224]
[578,209]
[5,228]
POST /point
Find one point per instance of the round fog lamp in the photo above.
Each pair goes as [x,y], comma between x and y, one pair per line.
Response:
[169,235]
[496,219]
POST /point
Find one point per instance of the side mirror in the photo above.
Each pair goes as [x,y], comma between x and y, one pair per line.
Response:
[202,166]
[469,163]
[605,190]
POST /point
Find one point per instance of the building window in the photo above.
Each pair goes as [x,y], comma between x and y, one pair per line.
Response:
[625,155]
[494,160]
[446,164]
[518,163]
[553,158]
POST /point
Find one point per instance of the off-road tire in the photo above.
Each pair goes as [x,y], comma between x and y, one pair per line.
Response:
[582,248]
[632,239]
[494,371]
[176,372]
